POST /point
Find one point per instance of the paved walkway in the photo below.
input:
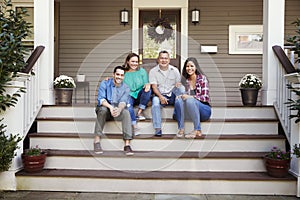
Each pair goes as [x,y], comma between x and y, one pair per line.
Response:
[28,195]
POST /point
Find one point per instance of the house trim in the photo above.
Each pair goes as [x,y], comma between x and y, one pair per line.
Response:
[168,4]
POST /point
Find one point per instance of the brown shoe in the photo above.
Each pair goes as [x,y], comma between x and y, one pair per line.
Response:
[128,151]
[97,148]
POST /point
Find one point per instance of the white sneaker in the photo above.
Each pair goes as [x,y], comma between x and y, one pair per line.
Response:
[140,118]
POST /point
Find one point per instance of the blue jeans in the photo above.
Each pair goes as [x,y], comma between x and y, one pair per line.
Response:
[156,106]
[192,109]
[142,100]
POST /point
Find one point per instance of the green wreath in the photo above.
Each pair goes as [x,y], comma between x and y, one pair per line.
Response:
[160,30]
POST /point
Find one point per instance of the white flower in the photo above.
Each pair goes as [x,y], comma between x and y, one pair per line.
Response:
[250,81]
[64,81]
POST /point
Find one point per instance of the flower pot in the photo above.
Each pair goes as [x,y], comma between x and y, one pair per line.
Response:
[63,96]
[34,163]
[249,96]
[277,168]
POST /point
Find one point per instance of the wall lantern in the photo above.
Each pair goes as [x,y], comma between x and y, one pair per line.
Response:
[124,16]
[195,16]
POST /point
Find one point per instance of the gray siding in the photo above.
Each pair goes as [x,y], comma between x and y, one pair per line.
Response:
[92,41]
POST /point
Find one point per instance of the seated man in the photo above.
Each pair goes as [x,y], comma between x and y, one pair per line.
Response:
[112,97]
[165,82]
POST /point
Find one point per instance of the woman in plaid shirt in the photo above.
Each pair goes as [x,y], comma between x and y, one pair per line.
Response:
[195,102]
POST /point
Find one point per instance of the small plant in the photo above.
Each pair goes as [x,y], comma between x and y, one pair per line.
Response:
[278,154]
[64,81]
[296,150]
[33,151]
[294,104]
[295,40]
[250,81]
[8,146]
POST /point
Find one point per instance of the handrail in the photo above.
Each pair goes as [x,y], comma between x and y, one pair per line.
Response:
[283,59]
[32,99]
[33,58]
[283,93]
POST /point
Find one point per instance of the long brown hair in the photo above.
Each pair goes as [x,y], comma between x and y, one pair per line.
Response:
[198,70]
[130,55]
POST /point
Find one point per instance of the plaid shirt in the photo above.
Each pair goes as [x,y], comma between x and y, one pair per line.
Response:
[202,91]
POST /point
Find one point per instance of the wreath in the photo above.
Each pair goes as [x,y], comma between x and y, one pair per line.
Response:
[160,30]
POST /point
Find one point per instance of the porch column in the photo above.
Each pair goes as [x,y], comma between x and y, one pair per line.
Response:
[44,35]
[273,33]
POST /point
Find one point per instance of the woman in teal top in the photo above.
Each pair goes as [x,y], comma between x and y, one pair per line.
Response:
[140,89]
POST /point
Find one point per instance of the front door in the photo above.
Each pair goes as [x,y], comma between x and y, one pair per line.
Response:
[159,30]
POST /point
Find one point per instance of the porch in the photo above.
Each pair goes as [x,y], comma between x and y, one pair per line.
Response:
[241,141]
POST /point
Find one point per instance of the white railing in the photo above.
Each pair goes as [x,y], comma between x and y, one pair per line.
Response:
[31,99]
[283,94]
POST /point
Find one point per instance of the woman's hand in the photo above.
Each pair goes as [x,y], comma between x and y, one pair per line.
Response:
[147,87]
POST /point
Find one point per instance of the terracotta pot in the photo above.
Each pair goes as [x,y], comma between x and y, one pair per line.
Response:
[277,168]
[249,96]
[63,96]
[34,163]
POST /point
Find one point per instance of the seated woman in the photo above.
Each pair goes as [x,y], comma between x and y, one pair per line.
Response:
[195,103]
[140,89]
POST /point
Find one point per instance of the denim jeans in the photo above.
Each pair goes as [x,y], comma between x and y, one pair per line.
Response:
[103,115]
[156,106]
[192,109]
[142,100]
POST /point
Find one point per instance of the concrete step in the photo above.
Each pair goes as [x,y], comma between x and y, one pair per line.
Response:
[168,142]
[184,182]
[157,161]
[169,126]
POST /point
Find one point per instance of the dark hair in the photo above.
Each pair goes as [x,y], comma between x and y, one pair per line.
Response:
[130,55]
[198,70]
[119,67]
[163,51]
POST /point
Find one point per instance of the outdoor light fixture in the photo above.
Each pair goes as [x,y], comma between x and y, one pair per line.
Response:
[195,16]
[124,15]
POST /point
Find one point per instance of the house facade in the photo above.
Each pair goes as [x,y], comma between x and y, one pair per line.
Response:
[87,37]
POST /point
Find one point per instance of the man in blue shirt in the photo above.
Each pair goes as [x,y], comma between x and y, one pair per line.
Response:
[112,99]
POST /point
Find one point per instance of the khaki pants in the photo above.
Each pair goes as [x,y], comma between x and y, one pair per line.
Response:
[103,115]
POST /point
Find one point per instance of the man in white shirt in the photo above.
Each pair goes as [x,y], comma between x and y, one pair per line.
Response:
[165,81]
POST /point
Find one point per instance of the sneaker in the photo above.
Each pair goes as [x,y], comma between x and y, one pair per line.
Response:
[128,151]
[97,148]
[158,133]
[140,118]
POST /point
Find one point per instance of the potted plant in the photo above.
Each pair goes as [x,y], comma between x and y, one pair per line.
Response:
[250,84]
[277,162]
[34,159]
[64,86]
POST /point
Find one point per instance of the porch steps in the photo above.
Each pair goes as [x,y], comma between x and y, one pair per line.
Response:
[227,159]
